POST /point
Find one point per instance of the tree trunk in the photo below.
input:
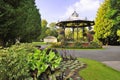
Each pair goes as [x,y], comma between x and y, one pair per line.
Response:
[3,43]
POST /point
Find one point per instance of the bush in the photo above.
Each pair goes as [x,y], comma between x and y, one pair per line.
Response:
[56,45]
[18,61]
[14,62]
[78,45]
[95,45]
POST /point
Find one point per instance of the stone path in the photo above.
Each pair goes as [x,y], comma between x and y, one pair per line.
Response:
[113,64]
[110,55]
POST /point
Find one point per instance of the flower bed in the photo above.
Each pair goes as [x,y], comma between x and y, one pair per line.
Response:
[77,45]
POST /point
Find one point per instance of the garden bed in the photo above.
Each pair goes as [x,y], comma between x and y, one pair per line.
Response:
[77,45]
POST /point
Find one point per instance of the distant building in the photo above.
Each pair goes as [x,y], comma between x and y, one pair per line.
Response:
[50,39]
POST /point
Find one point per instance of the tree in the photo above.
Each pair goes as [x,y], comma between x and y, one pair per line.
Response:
[19,19]
[107,23]
[118,34]
[51,32]
[53,29]
[32,25]
[52,24]
[114,14]
[43,29]
[103,25]
[44,23]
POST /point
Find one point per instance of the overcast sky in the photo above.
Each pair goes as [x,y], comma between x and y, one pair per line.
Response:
[57,10]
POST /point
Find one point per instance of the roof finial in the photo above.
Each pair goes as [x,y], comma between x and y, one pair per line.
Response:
[75,14]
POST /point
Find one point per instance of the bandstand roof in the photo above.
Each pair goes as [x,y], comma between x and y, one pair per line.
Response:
[75,22]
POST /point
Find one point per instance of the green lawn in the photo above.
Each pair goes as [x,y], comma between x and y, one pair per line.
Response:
[98,71]
[39,43]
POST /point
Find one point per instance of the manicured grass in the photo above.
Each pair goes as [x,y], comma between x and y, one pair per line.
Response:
[39,43]
[98,71]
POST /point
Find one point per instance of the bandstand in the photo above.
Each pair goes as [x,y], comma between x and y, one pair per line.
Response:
[74,22]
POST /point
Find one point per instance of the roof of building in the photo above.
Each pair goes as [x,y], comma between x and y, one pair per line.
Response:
[50,37]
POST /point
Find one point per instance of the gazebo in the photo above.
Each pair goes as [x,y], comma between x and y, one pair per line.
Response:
[74,22]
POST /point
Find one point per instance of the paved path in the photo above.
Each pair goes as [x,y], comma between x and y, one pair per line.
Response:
[109,56]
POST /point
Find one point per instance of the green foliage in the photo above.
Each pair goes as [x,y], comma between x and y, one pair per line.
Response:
[61,35]
[77,45]
[118,34]
[52,25]
[95,45]
[14,62]
[44,23]
[43,29]
[19,19]
[56,45]
[114,14]
[103,25]
[41,60]
[68,33]
[51,32]
[48,31]
[39,43]
[19,59]
[107,22]
[60,38]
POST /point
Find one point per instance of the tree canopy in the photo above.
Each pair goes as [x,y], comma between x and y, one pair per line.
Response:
[106,23]
[43,29]
[52,25]
[19,19]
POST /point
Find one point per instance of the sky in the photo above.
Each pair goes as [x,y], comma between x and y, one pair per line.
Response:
[58,10]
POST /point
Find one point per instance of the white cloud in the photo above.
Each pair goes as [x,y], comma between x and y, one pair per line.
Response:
[85,8]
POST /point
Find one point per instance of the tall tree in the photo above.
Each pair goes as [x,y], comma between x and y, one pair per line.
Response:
[103,25]
[118,34]
[18,19]
[32,25]
[53,29]
[114,14]
[52,25]
[44,24]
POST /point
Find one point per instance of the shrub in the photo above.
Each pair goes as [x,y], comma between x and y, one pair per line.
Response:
[56,45]
[44,61]
[17,60]
[78,45]
[14,62]
[95,45]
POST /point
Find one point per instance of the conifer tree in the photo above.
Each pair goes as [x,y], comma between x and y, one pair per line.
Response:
[114,14]
[103,24]
[18,19]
